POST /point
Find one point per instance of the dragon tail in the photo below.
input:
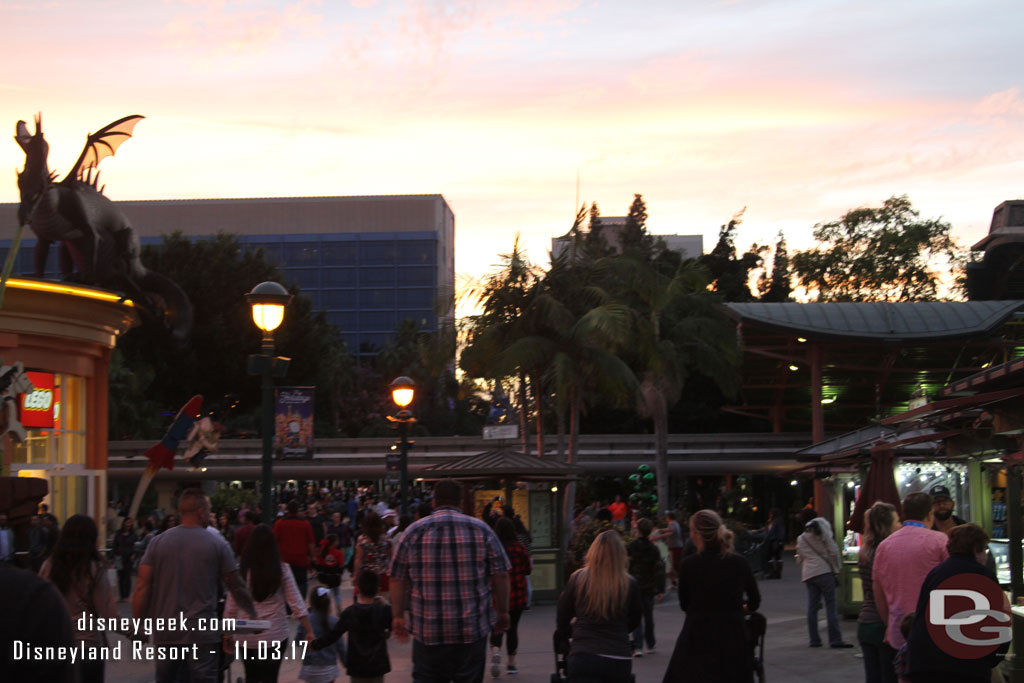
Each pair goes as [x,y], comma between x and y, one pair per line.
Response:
[168,303]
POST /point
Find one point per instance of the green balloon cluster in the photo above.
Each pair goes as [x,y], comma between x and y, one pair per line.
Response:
[643,496]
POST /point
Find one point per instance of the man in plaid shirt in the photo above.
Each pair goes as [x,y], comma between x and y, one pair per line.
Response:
[451,571]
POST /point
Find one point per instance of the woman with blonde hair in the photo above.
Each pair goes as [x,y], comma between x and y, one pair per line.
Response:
[716,589]
[605,602]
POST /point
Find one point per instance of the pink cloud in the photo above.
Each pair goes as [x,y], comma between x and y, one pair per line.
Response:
[1004,104]
[433,25]
[243,26]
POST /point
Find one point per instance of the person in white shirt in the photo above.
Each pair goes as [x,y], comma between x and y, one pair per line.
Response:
[272,586]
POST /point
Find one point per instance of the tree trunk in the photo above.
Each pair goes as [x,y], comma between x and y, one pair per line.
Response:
[560,435]
[538,401]
[661,455]
[657,408]
[569,499]
[523,432]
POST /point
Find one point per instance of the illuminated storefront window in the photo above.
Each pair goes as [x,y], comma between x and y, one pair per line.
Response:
[54,416]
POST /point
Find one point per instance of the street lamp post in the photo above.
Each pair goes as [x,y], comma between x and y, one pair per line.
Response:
[403,389]
[268,300]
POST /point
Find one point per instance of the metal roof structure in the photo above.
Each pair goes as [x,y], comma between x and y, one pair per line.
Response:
[502,462]
[880,321]
[836,367]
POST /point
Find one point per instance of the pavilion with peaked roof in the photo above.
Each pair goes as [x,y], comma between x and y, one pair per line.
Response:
[530,484]
[503,463]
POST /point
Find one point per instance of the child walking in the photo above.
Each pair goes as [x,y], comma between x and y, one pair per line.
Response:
[321,666]
[368,624]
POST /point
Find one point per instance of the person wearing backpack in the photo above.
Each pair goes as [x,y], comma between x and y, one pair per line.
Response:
[647,567]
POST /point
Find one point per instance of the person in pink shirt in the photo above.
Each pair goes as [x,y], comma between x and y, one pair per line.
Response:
[902,561]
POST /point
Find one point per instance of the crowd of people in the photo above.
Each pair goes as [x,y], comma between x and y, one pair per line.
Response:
[901,562]
[458,585]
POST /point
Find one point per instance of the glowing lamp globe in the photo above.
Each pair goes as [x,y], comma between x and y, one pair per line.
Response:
[268,300]
[402,391]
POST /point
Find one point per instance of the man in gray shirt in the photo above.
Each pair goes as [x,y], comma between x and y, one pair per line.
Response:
[178,580]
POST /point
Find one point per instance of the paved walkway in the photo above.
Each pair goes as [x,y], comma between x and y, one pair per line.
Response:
[788,659]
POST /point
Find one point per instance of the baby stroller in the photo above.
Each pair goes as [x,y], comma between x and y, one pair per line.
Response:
[561,645]
[756,626]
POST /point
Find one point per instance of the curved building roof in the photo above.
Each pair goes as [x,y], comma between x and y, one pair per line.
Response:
[893,322]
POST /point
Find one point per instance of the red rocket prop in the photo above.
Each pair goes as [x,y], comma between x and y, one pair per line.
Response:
[162,454]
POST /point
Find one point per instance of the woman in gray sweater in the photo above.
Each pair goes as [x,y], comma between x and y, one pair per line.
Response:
[605,602]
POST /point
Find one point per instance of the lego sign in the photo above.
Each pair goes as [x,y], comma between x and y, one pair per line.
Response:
[37,406]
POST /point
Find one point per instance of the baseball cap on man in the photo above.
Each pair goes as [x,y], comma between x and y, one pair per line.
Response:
[940,491]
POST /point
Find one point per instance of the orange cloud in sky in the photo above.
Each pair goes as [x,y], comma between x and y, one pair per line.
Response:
[702,108]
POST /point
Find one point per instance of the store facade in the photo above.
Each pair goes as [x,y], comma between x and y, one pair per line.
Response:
[63,336]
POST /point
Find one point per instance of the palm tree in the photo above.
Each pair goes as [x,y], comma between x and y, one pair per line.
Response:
[681,329]
[504,296]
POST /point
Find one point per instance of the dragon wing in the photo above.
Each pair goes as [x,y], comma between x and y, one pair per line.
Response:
[103,144]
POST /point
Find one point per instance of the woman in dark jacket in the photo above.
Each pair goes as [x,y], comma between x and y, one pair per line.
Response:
[123,551]
[716,590]
[926,660]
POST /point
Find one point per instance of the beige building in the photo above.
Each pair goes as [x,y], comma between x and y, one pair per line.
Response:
[690,246]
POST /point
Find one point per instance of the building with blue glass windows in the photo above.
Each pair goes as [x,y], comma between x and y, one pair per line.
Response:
[369,262]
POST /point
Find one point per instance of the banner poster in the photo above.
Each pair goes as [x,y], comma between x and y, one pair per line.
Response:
[293,423]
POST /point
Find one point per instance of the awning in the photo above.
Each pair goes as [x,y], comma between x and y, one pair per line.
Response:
[953,405]
[502,463]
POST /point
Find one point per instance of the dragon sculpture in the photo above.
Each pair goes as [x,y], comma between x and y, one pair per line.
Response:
[97,244]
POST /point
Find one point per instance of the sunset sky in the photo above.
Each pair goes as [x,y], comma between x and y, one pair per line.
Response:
[796,109]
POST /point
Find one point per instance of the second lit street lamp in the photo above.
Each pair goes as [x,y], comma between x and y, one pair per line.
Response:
[268,300]
[403,389]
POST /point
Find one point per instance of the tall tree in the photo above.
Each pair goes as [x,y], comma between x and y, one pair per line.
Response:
[216,274]
[505,296]
[634,234]
[778,287]
[730,275]
[680,330]
[879,254]
[594,242]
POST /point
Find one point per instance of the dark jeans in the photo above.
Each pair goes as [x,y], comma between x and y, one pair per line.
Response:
[462,663]
[822,587]
[91,671]
[887,655]
[301,575]
[771,553]
[877,666]
[202,669]
[124,579]
[513,632]
[646,627]
[584,668]
[262,670]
